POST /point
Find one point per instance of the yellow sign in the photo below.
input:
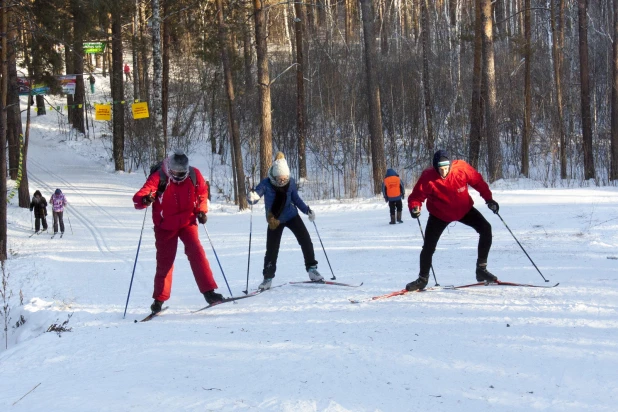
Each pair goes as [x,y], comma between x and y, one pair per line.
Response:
[102,112]
[140,110]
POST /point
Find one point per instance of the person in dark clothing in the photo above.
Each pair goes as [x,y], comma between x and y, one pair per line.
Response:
[393,192]
[92,81]
[39,206]
[282,202]
[445,187]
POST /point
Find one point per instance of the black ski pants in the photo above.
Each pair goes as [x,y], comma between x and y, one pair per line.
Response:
[38,221]
[273,241]
[58,218]
[396,204]
[436,226]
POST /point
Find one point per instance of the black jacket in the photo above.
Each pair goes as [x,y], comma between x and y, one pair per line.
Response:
[39,205]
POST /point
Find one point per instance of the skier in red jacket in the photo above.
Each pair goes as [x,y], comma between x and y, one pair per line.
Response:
[178,200]
[445,187]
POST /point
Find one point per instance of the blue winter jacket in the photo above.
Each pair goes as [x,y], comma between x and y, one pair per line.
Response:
[292,201]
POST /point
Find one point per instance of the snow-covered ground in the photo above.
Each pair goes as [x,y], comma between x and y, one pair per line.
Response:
[307,348]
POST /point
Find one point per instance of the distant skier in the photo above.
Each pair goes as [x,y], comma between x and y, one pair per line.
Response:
[91,80]
[127,72]
[58,202]
[445,186]
[393,192]
[39,205]
[282,202]
[180,196]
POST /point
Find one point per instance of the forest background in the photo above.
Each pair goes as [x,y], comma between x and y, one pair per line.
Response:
[344,88]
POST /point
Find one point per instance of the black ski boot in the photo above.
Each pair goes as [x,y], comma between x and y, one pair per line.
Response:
[156,306]
[213,297]
[399,217]
[418,284]
[483,275]
[392,222]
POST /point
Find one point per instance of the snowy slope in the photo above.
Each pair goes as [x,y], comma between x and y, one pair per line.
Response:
[307,348]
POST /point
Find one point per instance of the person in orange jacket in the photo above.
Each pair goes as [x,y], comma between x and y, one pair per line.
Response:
[179,196]
[445,187]
[393,192]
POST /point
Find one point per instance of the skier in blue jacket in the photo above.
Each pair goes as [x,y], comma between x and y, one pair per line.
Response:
[282,202]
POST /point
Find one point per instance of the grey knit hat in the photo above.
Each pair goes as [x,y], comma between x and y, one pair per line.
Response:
[179,162]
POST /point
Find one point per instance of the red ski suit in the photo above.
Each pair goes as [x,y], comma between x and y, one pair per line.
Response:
[448,199]
[174,216]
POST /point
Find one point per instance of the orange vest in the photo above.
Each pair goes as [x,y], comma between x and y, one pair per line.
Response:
[392,184]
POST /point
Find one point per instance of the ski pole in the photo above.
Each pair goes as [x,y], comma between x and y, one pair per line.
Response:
[213,249]
[522,248]
[246,291]
[331,268]
[31,224]
[135,264]
[423,236]
[69,219]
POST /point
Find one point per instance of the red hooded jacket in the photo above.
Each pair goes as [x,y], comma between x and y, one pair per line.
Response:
[178,206]
[448,199]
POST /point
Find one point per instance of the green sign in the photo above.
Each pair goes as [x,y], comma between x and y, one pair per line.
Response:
[94,47]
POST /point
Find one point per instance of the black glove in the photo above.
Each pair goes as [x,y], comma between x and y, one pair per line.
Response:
[493,206]
[416,212]
[202,218]
[148,199]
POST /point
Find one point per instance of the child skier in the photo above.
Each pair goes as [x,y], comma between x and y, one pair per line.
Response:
[393,192]
[281,204]
[39,205]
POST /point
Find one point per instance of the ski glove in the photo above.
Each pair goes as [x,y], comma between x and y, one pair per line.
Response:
[311,215]
[273,222]
[253,197]
[416,212]
[202,218]
[148,199]
[493,206]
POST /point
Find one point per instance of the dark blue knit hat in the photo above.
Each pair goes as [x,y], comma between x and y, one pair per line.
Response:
[441,159]
[58,191]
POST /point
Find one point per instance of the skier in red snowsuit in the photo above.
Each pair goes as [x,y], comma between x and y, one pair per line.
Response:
[445,187]
[177,201]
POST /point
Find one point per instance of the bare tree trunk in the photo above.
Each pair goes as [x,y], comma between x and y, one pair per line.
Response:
[300,92]
[349,4]
[144,82]
[135,54]
[79,30]
[527,132]
[261,46]
[117,89]
[24,189]
[494,153]
[14,126]
[426,41]
[558,57]
[585,91]
[614,143]
[3,86]
[384,26]
[232,117]
[476,115]
[157,82]
[213,119]
[375,115]
[165,93]
[248,55]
